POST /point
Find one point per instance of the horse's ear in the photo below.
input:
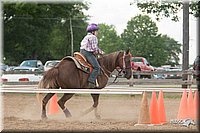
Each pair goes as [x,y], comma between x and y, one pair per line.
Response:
[128,51]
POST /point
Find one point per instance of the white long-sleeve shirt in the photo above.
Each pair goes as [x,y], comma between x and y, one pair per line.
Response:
[90,43]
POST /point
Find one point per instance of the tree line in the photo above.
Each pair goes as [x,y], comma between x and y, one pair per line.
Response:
[42,31]
[141,36]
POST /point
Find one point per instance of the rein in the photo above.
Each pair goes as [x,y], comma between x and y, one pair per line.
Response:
[119,71]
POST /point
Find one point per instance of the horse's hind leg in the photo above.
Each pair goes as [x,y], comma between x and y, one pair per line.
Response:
[62,101]
[44,103]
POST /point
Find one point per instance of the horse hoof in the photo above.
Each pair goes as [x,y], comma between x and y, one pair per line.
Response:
[68,115]
[98,117]
[44,117]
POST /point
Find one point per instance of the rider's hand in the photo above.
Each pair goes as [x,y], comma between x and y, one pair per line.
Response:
[102,52]
[96,52]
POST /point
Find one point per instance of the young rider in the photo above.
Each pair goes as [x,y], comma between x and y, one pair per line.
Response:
[89,48]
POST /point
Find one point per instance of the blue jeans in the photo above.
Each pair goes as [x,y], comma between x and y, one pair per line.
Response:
[95,64]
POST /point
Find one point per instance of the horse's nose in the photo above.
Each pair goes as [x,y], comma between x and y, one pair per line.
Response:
[127,74]
[124,72]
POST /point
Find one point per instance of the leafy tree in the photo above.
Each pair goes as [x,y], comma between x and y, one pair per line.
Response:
[56,48]
[60,38]
[109,41]
[167,8]
[141,35]
[172,50]
[37,31]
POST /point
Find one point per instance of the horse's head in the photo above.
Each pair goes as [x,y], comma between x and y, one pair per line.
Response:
[124,62]
[117,60]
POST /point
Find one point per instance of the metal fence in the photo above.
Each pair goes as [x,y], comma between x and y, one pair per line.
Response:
[133,81]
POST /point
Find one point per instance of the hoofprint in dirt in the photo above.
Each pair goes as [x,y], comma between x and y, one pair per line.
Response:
[118,113]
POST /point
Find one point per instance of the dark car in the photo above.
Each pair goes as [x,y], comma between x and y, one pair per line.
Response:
[196,67]
[3,67]
[196,64]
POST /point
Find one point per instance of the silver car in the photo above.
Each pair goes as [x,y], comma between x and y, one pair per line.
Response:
[30,65]
[49,64]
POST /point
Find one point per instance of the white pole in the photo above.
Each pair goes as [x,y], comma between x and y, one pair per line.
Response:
[94,91]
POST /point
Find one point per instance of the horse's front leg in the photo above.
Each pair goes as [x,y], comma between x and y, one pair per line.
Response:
[96,102]
[94,107]
[61,103]
[97,115]
[44,103]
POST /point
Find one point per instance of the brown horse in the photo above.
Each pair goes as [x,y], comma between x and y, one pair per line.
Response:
[66,75]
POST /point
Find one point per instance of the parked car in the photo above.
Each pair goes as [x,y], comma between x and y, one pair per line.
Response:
[172,69]
[196,66]
[159,76]
[10,68]
[30,65]
[21,77]
[49,64]
[140,64]
[3,67]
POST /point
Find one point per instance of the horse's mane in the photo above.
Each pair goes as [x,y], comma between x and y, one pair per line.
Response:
[108,57]
[110,54]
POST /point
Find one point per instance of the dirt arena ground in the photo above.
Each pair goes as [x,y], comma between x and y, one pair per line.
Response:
[118,113]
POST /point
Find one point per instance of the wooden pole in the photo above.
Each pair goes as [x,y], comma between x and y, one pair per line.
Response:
[72,37]
[185,60]
[198,26]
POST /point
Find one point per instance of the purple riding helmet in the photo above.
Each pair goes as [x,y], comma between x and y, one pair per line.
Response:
[92,27]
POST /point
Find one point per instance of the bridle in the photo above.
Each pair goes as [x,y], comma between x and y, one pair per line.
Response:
[123,69]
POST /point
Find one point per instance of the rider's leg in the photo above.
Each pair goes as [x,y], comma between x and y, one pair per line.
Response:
[95,64]
[96,70]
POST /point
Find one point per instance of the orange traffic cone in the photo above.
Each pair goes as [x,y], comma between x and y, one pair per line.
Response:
[161,108]
[154,117]
[144,117]
[182,112]
[196,105]
[190,105]
[53,106]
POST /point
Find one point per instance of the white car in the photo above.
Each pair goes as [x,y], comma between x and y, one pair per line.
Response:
[21,77]
[49,64]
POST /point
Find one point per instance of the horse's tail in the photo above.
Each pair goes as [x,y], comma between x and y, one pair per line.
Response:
[49,81]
